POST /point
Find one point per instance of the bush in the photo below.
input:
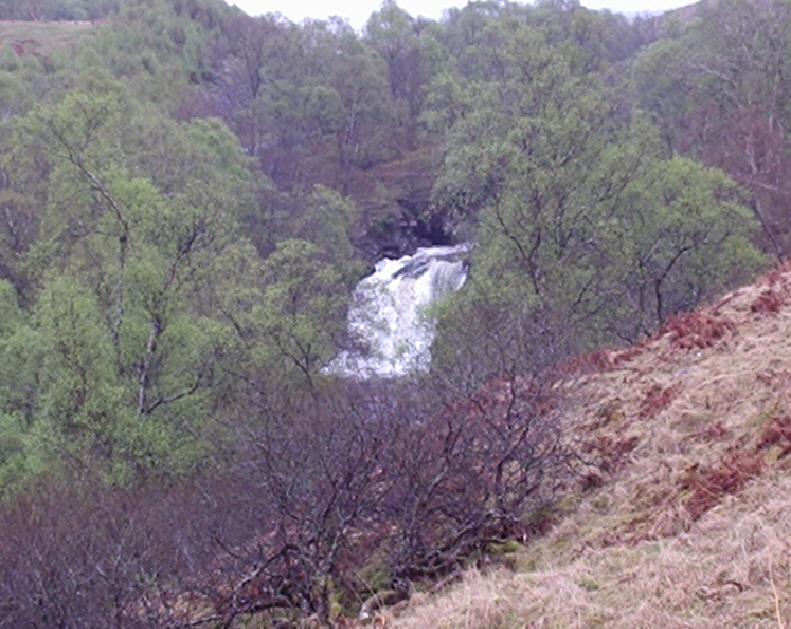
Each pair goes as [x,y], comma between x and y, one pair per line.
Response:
[318,487]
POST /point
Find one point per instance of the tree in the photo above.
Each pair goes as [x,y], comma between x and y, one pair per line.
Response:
[662,86]
[303,308]
[719,92]
[396,36]
[550,168]
[681,237]
[140,215]
[261,48]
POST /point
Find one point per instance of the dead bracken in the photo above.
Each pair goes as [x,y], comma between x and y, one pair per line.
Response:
[687,507]
[696,330]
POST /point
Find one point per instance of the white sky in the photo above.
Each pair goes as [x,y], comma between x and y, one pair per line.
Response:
[358,11]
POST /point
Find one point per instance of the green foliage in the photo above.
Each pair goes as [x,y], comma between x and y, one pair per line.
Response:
[126,256]
[19,371]
[10,313]
[661,82]
[303,306]
[22,458]
[327,219]
[79,392]
[184,192]
[61,382]
[585,234]
[683,237]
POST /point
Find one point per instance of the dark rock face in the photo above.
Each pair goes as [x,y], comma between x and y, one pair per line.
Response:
[434,230]
[403,233]
[395,203]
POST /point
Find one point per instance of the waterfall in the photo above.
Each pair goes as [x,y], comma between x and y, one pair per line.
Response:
[388,319]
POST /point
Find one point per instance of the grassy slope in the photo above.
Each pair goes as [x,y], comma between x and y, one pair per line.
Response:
[41,37]
[690,526]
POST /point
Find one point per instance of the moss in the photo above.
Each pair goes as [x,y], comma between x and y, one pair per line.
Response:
[761,420]
[504,548]
[567,503]
[587,583]
[374,576]
[601,502]
[611,412]
[773,454]
[337,606]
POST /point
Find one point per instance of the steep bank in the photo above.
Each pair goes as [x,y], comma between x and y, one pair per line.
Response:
[687,523]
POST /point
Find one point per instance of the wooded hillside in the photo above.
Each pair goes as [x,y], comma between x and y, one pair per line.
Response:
[188,196]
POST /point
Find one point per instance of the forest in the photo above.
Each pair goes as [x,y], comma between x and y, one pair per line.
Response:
[188,196]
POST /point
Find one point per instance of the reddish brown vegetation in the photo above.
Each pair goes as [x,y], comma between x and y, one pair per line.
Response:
[657,399]
[737,467]
[778,433]
[630,353]
[709,486]
[713,433]
[24,46]
[504,390]
[606,449]
[609,451]
[366,480]
[696,330]
[591,480]
[316,489]
[775,276]
[769,301]
[598,361]
[776,379]
[609,412]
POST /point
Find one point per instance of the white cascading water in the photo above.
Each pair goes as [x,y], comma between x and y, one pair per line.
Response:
[388,318]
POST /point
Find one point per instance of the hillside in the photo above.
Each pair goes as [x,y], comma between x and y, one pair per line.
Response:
[188,198]
[28,37]
[689,523]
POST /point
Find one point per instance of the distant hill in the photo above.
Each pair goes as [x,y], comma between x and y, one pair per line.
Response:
[654,24]
[688,13]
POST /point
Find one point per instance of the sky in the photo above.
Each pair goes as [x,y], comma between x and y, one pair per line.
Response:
[358,11]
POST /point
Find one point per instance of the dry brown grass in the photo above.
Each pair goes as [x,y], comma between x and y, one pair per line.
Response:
[718,575]
[688,521]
